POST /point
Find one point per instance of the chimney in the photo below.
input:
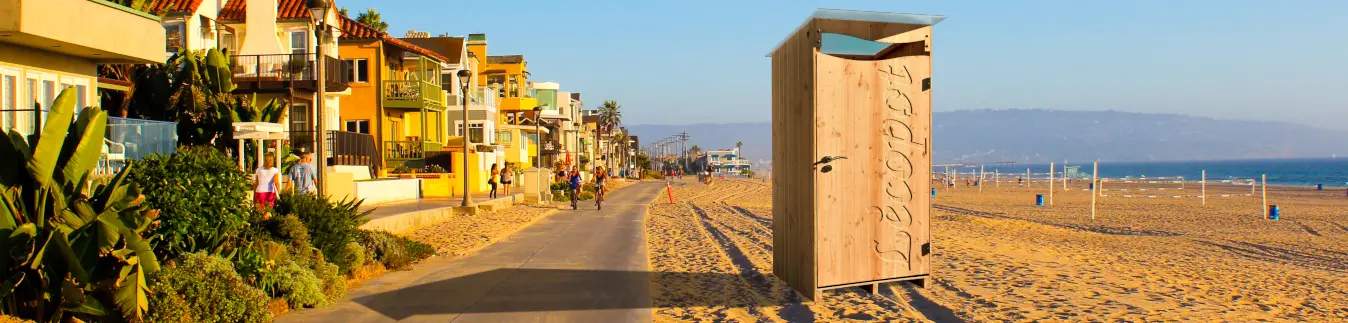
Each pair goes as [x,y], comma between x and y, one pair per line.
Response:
[260,29]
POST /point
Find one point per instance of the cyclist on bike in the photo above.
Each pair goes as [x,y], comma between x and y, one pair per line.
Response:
[599,176]
[574,178]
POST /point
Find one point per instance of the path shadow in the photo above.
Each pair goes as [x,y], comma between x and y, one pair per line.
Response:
[508,290]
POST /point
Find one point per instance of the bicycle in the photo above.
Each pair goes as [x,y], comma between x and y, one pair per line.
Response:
[599,196]
[574,199]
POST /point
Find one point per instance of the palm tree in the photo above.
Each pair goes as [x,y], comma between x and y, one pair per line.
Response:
[738,145]
[610,116]
[370,17]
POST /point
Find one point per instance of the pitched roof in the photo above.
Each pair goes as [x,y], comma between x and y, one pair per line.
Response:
[236,10]
[354,30]
[450,47]
[174,7]
[505,59]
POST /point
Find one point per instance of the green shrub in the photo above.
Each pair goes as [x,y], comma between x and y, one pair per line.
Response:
[331,225]
[209,288]
[334,283]
[351,257]
[297,284]
[202,197]
[290,229]
[393,251]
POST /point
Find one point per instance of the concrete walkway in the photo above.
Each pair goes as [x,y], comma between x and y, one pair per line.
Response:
[574,266]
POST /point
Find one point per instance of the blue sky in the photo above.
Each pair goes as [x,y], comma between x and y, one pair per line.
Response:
[676,62]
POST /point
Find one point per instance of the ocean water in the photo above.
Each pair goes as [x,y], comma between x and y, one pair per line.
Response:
[1332,172]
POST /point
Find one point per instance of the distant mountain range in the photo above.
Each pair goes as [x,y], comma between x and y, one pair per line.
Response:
[1032,136]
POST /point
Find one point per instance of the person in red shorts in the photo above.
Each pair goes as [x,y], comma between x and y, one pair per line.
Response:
[265,181]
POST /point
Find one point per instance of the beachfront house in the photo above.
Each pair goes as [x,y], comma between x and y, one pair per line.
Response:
[192,25]
[273,55]
[509,75]
[480,129]
[726,161]
[42,52]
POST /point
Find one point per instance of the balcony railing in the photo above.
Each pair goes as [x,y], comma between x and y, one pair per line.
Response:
[353,148]
[257,72]
[406,149]
[413,94]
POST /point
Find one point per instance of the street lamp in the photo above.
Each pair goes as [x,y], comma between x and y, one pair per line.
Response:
[464,76]
[318,14]
[538,151]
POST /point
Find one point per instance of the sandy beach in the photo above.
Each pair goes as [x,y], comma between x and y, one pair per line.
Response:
[1147,255]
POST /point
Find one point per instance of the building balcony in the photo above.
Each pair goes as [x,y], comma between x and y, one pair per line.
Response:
[518,104]
[284,72]
[98,30]
[409,149]
[412,94]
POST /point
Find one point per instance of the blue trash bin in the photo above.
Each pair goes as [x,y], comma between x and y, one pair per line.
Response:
[933,192]
[1039,200]
[1273,212]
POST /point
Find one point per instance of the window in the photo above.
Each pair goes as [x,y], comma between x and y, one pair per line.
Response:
[227,42]
[48,96]
[81,93]
[9,101]
[299,118]
[175,36]
[476,130]
[360,126]
[497,81]
[299,42]
[358,70]
[513,87]
[503,137]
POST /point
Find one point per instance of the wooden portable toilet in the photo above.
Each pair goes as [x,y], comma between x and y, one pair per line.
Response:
[851,151]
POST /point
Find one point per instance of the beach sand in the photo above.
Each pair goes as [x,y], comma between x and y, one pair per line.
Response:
[1000,258]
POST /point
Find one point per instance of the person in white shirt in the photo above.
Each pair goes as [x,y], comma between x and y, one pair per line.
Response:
[265,180]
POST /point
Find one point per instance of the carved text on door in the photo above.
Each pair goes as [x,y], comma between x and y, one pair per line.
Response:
[896,130]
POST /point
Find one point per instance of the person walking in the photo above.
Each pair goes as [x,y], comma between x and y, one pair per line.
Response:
[491,180]
[265,179]
[302,174]
[508,177]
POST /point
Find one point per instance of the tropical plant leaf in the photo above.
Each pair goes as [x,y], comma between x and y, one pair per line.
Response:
[146,256]
[8,213]
[90,306]
[11,169]
[130,296]
[47,150]
[83,150]
[72,261]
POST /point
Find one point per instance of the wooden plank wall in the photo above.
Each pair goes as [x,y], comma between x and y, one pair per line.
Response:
[792,153]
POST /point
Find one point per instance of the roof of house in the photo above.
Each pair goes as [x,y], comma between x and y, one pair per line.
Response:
[505,59]
[450,47]
[354,30]
[175,7]
[236,10]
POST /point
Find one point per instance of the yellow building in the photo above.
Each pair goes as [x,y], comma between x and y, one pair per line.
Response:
[394,84]
[42,52]
[509,76]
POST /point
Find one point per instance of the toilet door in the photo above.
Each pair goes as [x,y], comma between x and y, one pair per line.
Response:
[872,136]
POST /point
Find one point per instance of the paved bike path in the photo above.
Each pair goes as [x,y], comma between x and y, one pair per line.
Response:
[574,266]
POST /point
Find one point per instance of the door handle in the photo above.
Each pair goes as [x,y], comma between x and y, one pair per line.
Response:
[825,160]
[828,159]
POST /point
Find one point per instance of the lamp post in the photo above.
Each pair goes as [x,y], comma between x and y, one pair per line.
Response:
[464,76]
[318,14]
[538,151]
